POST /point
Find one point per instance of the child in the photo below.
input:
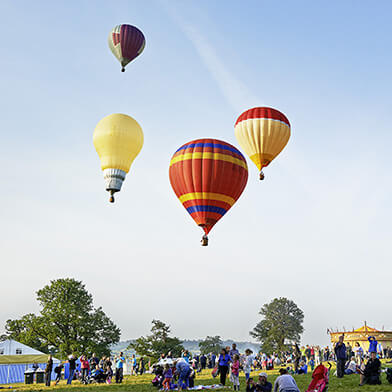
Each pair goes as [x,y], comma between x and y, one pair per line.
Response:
[109,374]
[311,363]
[168,375]
[235,372]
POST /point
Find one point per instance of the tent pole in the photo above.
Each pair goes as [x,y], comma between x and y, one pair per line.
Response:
[8,374]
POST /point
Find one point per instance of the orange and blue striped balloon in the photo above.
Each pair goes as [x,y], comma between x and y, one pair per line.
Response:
[208,176]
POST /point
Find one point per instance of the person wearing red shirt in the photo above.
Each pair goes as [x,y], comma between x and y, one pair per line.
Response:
[85,366]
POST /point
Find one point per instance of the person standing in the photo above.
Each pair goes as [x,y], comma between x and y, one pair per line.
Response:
[308,353]
[94,361]
[341,356]
[203,362]
[48,371]
[296,357]
[167,377]
[85,367]
[119,368]
[72,367]
[186,356]
[249,358]
[235,372]
[141,365]
[326,354]
[233,351]
[285,382]
[133,365]
[213,360]
[58,370]
[223,365]
[372,344]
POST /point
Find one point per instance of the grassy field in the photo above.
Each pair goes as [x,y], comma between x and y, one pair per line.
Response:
[143,384]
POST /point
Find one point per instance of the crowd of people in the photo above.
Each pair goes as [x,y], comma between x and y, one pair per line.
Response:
[181,372]
[356,361]
[86,370]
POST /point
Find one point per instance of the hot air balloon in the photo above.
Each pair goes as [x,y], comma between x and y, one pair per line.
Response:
[118,139]
[126,43]
[208,176]
[262,133]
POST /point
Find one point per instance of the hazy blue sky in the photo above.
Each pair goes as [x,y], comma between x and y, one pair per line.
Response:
[317,230]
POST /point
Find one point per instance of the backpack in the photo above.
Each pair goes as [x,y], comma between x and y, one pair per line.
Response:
[389,375]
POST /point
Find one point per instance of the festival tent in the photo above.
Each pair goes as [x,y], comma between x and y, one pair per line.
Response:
[16,358]
[360,335]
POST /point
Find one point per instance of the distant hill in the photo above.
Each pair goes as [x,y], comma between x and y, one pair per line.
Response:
[190,345]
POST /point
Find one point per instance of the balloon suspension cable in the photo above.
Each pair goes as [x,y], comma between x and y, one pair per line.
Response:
[122,69]
[261,175]
[204,240]
[111,199]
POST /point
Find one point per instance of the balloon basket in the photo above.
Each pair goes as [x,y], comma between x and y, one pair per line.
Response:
[204,241]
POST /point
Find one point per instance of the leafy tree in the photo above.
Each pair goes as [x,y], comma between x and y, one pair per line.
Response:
[159,342]
[211,344]
[282,322]
[67,322]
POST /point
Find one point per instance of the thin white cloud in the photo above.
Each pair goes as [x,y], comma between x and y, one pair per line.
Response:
[236,93]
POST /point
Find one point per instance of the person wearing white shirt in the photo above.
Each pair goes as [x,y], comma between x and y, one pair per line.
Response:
[351,367]
[248,362]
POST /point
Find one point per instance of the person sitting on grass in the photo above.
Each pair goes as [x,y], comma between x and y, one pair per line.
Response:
[303,369]
[351,367]
[263,385]
[250,385]
[285,382]
[371,373]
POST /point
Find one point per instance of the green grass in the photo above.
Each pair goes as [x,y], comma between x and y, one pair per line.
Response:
[143,384]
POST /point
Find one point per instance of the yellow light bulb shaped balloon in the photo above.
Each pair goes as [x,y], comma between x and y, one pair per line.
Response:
[118,139]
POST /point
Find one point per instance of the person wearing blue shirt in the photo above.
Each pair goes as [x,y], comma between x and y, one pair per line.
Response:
[223,365]
[234,351]
[183,370]
[213,360]
[303,368]
[119,368]
[341,356]
[186,356]
[372,344]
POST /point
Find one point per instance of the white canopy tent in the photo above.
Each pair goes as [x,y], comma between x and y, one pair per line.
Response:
[15,359]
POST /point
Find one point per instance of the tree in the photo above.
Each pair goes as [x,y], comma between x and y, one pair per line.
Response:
[211,344]
[282,322]
[67,322]
[159,342]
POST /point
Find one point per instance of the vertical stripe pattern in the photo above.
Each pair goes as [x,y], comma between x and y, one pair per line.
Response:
[262,133]
[126,43]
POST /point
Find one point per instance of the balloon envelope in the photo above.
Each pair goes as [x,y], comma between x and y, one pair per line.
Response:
[208,176]
[118,139]
[126,43]
[262,133]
